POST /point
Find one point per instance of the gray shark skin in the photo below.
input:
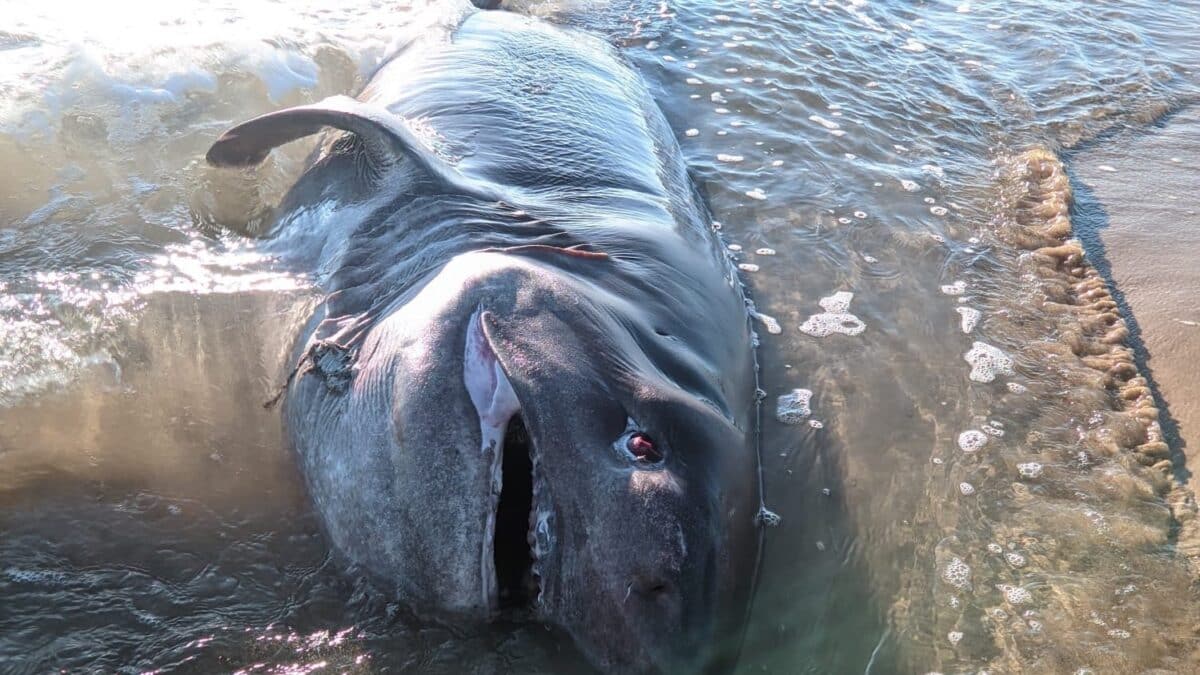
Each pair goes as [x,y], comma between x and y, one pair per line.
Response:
[530,385]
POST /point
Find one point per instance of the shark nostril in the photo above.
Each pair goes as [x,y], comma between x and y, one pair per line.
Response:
[652,587]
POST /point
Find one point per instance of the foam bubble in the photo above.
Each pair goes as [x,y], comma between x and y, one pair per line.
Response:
[987,362]
[771,324]
[835,318]
[816,424]
[938,210]
[966,489]
[1015,559]
[1015,595]
[838,302]
[1030,469]
[1017,388]
[957,573]
[971,440]
[692,133]
[995,548]
[748,267]
[909,185]
[732,159]
[792,407]
[954,636]
[756,193]
[970,318]
[957,288]
[765,251]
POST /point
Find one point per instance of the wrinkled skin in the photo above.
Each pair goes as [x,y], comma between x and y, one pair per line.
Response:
[580,288]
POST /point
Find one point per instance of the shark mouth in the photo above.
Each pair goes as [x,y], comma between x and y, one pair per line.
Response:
[519,523]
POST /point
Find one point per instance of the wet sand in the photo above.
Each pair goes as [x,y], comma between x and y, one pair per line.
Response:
[1138,214]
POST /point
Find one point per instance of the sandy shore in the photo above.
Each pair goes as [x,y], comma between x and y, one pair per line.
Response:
[1138,204]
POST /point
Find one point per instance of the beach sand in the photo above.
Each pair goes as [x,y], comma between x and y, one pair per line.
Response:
[1138,213]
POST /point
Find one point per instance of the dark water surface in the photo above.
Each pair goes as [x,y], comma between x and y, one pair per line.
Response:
[855,153]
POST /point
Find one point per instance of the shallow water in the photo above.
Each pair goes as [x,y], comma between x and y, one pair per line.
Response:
[855,153]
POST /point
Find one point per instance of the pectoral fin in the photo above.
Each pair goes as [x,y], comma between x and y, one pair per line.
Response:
[384,135]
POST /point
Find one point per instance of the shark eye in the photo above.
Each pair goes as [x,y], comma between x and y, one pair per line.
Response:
[643,448]
[637,446]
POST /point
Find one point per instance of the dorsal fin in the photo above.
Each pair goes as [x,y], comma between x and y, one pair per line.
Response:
[383,135]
